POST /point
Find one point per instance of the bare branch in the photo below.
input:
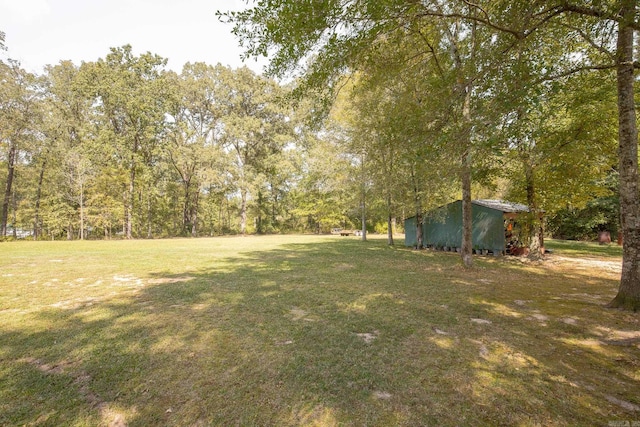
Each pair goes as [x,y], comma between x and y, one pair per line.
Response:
[544,16]
[478,7]
[484,21]
[587,11]
[595,13]
[567,73]
[591,42]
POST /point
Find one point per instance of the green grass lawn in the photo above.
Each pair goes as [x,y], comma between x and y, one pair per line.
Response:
[310,331]
[589,249]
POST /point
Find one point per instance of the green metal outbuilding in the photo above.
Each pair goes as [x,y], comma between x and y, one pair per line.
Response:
[492,222]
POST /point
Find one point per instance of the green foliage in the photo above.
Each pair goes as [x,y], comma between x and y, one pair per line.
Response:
[20,119]
[599,214]
[122,144]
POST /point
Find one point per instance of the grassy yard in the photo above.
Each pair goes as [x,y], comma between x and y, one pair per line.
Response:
[311,331]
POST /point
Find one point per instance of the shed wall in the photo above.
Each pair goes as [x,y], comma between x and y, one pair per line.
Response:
[410,232]
[443,227]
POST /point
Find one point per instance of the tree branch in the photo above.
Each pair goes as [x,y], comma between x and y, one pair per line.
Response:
[577,70]
[590,41]
[485,21]
[565,6]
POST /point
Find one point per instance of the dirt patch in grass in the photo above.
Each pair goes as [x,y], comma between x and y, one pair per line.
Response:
[368,337]
[166,280]
[81,381]
[588,264]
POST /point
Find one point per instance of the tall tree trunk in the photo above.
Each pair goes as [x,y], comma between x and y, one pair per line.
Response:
[194,215]
[81,211]
[534,225]
[364,204]
[389,222]
[259,219]
[130,202]
[14,210]
[418,207]
[36,216]
[149,217]
[629,291]
[228,212]
[11,162]
[243,211]
[186,209]
[221,215]
[364,218]
[274,208]
[466,246]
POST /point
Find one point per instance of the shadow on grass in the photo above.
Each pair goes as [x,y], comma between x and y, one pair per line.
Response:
[327,333]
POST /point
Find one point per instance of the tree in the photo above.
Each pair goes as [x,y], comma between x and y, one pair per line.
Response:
[347,36]
[321,196]
[559,138]
[255,127]
[374,134]
[195,135]
[607,32]
[67,149]
[339,35]
[130,94]
[19,101]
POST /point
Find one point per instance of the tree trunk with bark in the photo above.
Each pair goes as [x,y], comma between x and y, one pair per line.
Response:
[628,296]
[82,211]
[11,163]
[186,208]
[364,214]
[243,212]
[389,221]
[128,229]
[194,215]
[466,246]
[259,229]
[418,207]
[534,224]
[36,216]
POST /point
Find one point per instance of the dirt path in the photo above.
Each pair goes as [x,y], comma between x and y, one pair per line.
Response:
[587,263]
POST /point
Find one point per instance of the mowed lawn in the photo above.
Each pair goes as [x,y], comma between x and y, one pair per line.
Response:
[311,331]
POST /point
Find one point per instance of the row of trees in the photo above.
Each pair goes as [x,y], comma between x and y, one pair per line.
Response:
[124,146]
[534,89]
[400,106]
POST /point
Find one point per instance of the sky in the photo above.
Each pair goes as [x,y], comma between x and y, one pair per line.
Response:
[42,32]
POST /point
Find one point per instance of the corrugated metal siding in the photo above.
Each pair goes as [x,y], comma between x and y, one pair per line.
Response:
[410,232]
[443,227]
[488,228]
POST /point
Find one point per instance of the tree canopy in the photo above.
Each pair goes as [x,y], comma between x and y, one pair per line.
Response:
[469,45]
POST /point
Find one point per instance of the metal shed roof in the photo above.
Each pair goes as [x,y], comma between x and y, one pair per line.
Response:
[501,205]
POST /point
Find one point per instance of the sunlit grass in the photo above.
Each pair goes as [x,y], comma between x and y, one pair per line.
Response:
[309,330]
[573,247]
